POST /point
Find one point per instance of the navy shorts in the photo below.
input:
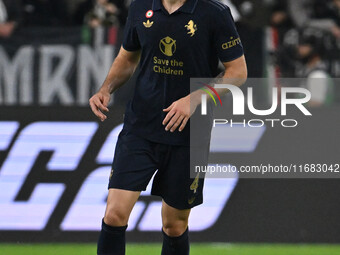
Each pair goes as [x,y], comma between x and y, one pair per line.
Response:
[137,159]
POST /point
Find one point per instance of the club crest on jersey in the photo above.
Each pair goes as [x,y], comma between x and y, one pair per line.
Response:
[148,24]
[149,14]
[191,27]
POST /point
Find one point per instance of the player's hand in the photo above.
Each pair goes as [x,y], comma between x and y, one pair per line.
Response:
[99,103]
[178,115]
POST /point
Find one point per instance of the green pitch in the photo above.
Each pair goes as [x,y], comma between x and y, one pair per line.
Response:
[154,249]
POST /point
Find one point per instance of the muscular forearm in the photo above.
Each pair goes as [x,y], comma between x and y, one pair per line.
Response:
[179,112]
[121,71]
[235,74]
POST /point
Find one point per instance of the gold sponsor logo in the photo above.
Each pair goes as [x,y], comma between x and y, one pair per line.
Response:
[148,24]
[167,45]
[165,70]
[191,27]
[232,43]
[191,200]
[194,185]
[168,66]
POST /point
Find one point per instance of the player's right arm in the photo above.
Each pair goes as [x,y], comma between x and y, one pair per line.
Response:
[120,72]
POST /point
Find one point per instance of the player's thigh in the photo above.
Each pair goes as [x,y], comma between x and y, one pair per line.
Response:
[119,206]
[175,221]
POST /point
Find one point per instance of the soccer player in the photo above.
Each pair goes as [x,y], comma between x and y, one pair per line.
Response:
[170,41]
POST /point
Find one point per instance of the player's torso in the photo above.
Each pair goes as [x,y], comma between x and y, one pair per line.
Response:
[176,45]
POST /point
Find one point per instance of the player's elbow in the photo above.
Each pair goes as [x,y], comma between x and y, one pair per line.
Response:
[237,69]
[242,74]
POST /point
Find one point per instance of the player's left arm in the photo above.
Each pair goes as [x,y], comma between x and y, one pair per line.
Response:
[179,112]
[224,32]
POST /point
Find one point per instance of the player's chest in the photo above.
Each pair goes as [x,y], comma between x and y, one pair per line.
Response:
[170,33]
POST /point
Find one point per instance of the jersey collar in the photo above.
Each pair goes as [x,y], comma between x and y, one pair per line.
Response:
[188,7]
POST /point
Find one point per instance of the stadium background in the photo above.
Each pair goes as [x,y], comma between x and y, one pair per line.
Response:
[55,54]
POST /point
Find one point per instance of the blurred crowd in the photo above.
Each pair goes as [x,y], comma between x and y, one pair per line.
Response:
[322,15]
[304,40]
[23,13]
[307,32]
[283,14]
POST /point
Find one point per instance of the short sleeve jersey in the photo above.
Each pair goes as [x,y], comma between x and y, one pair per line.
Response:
[174,48]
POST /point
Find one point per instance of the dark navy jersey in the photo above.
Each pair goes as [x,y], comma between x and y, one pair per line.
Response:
[174,48]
